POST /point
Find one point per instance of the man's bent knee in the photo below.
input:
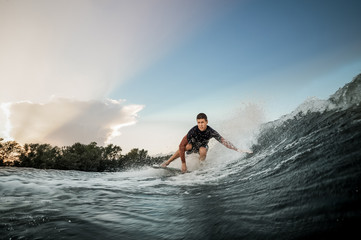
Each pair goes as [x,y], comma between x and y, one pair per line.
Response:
[202,153]
[189,147]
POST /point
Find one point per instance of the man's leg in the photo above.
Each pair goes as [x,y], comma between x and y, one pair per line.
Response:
[171,159]
[176,155]
[202,153]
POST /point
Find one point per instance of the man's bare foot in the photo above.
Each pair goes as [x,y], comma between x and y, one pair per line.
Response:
[184,168]
[165,164]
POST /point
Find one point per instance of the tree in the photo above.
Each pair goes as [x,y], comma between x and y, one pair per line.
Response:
[41,156]
[111,157]
[80,157]
[136,157]
[76,157]
[9,152]
[111,152]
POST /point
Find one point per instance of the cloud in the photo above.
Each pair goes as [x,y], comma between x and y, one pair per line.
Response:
[66,121]
[83,49]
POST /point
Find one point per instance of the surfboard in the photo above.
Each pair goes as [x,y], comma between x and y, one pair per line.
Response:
[171,169]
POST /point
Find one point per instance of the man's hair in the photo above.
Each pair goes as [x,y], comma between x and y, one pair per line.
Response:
[202,116]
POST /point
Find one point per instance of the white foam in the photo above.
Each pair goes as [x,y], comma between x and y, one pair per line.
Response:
[312,104]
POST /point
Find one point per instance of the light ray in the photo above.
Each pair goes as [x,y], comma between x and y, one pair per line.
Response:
[5,107]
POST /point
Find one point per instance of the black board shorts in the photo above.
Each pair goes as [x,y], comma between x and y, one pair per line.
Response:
[196,147]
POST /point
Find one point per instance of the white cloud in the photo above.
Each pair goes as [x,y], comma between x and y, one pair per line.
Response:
[82,49]
[65,121]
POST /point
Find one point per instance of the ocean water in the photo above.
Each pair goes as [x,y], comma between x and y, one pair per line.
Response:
[302,182]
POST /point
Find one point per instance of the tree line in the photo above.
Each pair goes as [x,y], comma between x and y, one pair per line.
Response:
[82,157]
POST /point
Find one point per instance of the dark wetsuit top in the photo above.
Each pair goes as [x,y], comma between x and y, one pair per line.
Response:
[200,139]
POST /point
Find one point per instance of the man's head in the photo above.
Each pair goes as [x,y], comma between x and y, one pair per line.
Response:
[202,121]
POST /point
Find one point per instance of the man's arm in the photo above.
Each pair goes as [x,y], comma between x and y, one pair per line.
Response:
[228,144]
[182,150]
[231,146]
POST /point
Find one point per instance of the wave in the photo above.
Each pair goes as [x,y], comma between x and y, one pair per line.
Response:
[309,164]
[302,182]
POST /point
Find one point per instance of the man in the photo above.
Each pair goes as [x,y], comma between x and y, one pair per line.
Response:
[196,141]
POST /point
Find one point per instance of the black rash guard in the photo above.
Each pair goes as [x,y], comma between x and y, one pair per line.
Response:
[200,138]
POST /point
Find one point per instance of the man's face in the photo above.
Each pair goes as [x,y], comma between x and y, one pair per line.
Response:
[202,124]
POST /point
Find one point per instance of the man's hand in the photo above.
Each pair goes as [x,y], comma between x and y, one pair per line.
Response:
[184,168]
[244,151]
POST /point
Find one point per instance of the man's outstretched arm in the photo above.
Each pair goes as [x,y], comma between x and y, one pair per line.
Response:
[229,145]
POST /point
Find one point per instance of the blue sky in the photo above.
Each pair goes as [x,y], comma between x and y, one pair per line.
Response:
[281,46]
[274,53]
[159,63]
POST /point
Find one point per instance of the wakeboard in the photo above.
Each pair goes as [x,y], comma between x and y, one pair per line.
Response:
[170,169]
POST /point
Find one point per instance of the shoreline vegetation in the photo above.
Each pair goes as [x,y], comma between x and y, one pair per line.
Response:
[82,157]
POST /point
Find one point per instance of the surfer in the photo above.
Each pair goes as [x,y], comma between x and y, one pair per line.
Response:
[196,141]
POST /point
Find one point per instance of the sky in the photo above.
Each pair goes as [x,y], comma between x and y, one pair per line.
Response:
[136,73]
